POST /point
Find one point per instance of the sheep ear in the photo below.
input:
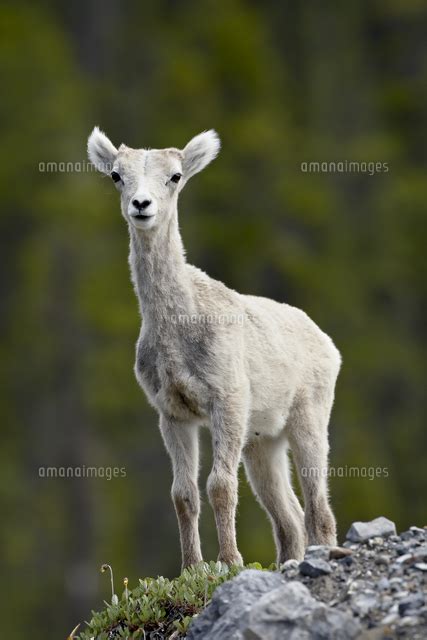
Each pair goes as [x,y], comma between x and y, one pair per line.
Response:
[199,152]
[101,151]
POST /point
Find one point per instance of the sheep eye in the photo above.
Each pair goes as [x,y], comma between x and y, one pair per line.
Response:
[176,177]
[115,176]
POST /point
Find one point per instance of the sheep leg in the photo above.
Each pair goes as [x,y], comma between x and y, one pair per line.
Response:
[182,443]
[308,439]
[267,469]
[228,429]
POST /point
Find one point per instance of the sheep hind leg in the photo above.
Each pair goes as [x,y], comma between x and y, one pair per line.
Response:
[307,429]
[267,469]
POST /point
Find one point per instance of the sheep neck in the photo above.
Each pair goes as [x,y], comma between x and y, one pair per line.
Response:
[159,272]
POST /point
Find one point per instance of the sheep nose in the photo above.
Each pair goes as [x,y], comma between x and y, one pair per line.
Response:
[141,205]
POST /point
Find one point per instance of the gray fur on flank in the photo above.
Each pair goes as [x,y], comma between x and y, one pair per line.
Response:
[260,374]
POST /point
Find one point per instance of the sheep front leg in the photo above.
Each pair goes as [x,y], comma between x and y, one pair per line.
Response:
[228,429]
[182,442]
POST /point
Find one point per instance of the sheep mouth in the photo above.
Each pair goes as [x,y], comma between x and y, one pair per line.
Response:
[141,216]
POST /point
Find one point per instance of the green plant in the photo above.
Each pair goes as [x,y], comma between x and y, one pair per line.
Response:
[160,606]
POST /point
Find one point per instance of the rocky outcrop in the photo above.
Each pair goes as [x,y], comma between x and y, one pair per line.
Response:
[373,587]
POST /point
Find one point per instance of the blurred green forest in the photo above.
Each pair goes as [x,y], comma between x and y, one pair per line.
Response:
[283,83]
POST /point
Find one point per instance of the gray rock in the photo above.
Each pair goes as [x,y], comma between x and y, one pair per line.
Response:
[362,531]
[357,586]
[411,603]
[418,531]
[407,558]
[349,545]
[261,606]
[376,589]
[291,612]
[231,603]
[382,559]
[347,562]
[376,541]
[386,604]
[391,618]
[285,604]
[314,567]
[406,535]
[383,584]
[409,621]
[317,551]
[364,602]
[395,584]
[420,553]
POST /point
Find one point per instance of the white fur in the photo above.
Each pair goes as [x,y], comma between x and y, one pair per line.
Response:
[199,152]
[101,151]
[261,386]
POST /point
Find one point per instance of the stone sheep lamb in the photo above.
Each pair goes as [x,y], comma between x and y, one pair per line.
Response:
[261,386]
